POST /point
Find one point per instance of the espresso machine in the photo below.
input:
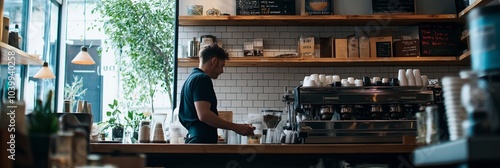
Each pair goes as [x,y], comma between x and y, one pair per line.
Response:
[367,114]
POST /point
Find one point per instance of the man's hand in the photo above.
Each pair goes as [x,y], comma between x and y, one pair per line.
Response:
[244,129]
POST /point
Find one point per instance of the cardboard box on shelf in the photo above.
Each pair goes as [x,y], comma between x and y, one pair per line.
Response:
[364,47]
[325,48]
[306,46]
[381,46]
[341,48]
[353,46]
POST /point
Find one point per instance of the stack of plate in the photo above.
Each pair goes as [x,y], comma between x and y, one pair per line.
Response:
[455,112]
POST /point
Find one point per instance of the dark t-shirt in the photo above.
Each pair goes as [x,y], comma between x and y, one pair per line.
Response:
[197,87]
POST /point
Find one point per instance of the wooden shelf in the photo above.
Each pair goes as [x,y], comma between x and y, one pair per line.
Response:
[297,62]
[287,20]
[465,35]
[476,3]
[464,55]
[21,57]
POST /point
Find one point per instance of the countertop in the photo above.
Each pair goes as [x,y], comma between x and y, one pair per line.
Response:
[260,149]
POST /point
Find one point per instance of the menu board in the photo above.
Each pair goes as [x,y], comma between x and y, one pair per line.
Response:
[393,6]
[407,48]
[265,7]
[383,49]
[439,40]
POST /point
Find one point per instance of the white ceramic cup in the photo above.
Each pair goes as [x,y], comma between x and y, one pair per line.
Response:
[336,78]
[344,82]
[322,78]
[410,77]
[425,80]
[402,78]
[350,80]
[385,80]
[314,77]
[358,82]
[306,80]
[329,79]
[416,75]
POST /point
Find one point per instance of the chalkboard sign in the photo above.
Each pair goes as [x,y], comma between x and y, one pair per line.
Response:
[393,6]
[383,49]
[265,7]
[439,40]
[407,48]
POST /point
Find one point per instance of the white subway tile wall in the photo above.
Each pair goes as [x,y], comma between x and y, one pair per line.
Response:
[246,90]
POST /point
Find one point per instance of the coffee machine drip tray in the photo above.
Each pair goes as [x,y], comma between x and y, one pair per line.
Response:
[356,131]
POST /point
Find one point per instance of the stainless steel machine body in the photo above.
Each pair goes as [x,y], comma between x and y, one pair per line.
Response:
[369,114]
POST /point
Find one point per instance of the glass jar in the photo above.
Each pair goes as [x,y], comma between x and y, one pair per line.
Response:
[157,128]
[144,130]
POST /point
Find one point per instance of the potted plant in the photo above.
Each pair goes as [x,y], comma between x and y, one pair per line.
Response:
[133,119]
[74,92]
[114,121]
[43,124]
[142,34]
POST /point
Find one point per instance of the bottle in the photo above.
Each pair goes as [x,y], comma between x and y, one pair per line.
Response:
[14,37]
[193,48]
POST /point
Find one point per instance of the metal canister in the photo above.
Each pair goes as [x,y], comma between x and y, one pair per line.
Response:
[484,29]
[193,48]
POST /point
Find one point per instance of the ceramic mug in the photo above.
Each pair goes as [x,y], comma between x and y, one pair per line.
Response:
[195,10]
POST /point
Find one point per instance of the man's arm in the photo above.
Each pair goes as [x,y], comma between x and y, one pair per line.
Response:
[209,117]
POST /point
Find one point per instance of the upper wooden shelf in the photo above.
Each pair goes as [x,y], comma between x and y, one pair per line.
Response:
[20,57]
[297,62]
[476,3]
[465,56]
[290,20]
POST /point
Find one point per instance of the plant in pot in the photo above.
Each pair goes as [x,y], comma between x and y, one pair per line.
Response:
[74,92]
[133,119]
[43,124]
[114,121]
[142,34]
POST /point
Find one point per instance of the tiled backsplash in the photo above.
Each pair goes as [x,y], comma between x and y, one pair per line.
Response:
[246,90]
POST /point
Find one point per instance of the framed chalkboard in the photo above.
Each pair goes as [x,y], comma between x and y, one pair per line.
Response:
[393,6]
[407,48]
[439,39]
[265,7]
[383,49]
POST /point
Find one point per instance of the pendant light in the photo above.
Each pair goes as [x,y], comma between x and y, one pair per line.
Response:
[83,57]
[44,72]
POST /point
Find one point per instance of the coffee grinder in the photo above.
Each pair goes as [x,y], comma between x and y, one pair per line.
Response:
[272,118]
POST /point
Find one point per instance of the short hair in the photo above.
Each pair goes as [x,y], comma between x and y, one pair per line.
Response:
[213,50]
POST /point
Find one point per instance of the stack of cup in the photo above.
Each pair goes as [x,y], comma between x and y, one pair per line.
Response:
[418,77]
[455,112]
[402,78]
[410,77]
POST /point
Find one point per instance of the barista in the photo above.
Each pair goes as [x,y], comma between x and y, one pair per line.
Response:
[198,102]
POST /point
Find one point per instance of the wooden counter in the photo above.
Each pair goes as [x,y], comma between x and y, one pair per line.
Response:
[260,149]
[262,156]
